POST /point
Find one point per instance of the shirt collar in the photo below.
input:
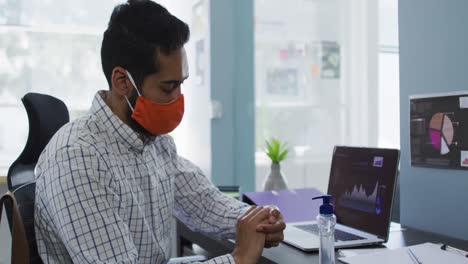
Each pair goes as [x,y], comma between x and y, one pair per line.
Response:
[116,127]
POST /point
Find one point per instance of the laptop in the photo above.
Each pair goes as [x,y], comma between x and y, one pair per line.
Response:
[362,183]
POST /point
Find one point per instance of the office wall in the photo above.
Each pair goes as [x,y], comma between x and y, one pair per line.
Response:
[232,86]
[433,58]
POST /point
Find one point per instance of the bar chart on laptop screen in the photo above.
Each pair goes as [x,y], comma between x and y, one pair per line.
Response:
[361,199]
[362,188]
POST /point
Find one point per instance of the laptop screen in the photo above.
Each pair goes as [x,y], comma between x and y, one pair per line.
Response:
[362,182]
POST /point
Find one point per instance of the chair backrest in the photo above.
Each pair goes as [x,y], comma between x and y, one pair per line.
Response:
[46,115]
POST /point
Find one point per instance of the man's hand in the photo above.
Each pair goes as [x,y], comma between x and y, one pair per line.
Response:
[274,228]
[249,242]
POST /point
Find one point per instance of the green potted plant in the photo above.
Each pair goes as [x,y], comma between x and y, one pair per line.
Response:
[276,151]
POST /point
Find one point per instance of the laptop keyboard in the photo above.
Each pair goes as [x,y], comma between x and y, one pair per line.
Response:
[339,235]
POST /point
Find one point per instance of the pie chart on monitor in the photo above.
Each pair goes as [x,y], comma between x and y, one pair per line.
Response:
[441,132]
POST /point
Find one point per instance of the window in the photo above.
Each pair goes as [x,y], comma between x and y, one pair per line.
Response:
[389,75]
[50,47]
[321,76]
[53,47]
[193,135]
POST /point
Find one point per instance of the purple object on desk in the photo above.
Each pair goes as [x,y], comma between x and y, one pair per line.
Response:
[296,205]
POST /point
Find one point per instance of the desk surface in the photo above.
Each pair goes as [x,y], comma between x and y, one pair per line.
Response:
[399,237]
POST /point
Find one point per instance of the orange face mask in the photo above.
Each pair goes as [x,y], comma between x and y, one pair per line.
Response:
[157,119]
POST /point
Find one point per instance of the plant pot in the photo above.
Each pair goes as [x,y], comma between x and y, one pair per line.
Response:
[275,180]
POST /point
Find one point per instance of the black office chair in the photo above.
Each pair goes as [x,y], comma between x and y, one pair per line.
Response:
[19,206]
[46,115]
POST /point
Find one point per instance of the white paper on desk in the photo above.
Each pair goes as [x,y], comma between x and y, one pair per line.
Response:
[427,253]
[359,251]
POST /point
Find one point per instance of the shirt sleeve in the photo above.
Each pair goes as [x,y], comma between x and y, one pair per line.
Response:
[84,209]
[200,205]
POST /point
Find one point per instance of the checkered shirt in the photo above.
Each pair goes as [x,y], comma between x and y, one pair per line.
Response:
[104,195]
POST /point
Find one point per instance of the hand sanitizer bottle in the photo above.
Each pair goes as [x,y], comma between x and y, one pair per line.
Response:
[326,222]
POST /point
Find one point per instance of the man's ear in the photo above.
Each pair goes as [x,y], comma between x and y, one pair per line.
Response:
[120,83]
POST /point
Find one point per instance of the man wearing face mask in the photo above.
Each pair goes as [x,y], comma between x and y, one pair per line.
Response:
[109,183]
